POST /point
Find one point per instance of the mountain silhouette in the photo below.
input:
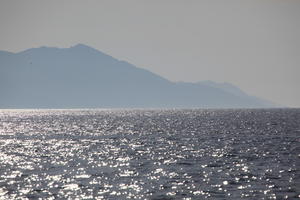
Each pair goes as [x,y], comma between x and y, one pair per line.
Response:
[83,77]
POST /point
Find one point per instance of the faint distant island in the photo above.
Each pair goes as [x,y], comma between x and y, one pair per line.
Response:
[83,77]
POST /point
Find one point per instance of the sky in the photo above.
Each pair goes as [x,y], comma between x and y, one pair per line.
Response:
[253,44]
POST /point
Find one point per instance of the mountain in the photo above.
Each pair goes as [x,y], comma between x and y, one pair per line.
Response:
[228,87]
[83,77]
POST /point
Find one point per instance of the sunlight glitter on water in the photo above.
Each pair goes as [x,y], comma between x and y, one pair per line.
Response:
[149,154]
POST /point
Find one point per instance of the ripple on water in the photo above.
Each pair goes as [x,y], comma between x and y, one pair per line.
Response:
[150,154]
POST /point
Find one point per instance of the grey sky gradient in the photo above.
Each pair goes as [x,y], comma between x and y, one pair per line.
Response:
[254,44]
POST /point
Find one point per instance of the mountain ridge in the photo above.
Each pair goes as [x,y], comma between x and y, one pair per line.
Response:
[84,77]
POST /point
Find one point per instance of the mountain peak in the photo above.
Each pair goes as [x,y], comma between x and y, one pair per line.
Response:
[85,49]
[81,46]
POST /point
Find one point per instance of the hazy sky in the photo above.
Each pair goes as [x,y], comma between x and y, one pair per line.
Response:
[254,44]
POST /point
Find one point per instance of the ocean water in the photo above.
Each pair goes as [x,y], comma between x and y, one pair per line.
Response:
[150,154]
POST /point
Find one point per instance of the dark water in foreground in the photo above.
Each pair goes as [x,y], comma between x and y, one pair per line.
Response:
[158,154]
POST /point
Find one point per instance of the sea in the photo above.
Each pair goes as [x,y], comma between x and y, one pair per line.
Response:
[150,154]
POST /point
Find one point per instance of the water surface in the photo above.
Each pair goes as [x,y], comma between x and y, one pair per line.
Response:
[150,154]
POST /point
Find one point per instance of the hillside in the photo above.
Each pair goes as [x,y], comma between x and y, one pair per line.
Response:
[83,77]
